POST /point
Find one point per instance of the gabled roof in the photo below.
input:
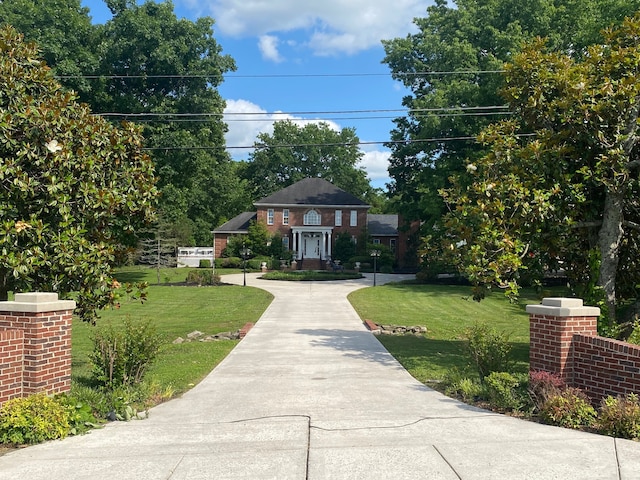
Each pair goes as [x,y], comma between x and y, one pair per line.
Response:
[239,224]
[312,191]
[381,225]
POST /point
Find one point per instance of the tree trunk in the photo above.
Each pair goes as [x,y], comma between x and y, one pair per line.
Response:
[4,290]
[609,239]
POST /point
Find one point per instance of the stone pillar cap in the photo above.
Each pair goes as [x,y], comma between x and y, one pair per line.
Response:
[36,302]
[563,307]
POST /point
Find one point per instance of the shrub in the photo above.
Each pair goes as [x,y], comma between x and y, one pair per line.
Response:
[569,408]
[33,419]
[80,414]
[634,337]
[466,389]
[543,385]
[122,354]
[620,416]
[489,350]
[203,277]
[229,262]
[255,263]
[507,391]
[204,263]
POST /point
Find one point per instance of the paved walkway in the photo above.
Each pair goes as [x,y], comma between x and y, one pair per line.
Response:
[311,394]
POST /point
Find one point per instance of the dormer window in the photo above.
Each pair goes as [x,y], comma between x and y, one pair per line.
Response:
[312,217]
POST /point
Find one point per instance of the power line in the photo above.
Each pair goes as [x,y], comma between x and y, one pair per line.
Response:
[273,116]
[281,75]
[323,119]
[298,145]
[310,112]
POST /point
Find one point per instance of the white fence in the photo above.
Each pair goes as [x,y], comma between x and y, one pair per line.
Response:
[191,256]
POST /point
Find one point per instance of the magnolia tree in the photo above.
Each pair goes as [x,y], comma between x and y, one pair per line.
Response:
[561,187]
[73,187]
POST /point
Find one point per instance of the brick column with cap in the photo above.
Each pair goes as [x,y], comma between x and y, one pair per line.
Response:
[552,326]
[45,323]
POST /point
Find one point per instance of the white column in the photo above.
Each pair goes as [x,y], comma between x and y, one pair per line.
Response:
[329,247]
[323,248]
[295,243]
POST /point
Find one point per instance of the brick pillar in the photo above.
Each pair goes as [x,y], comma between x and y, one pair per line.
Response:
[552,326]
[46,325]
[11,364]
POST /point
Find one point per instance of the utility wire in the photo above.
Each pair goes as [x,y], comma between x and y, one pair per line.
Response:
[282,75]
[294,145]
[327,112]
[322,119]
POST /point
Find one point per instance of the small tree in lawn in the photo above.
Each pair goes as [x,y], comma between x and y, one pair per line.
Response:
[73,188]
[159,251]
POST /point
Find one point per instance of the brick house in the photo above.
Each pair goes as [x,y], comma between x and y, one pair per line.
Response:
[309,215]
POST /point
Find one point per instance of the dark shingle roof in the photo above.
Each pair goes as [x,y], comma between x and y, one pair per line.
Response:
[239,224]
[312,191]
[380,225]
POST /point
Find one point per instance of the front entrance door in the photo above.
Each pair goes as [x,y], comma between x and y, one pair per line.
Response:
[311,244]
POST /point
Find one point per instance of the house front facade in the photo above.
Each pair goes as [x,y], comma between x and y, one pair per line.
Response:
[308,216]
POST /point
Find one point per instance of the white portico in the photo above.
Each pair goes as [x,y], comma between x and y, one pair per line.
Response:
[312,242]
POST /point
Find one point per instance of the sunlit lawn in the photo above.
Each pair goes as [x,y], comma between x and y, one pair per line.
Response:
[176,311]
[446,311]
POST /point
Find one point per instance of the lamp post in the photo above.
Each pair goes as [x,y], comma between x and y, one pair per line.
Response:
[375,254]
[213,256]
[245,252]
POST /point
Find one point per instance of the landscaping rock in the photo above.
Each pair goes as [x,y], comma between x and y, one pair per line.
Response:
[201,337]
[401,330]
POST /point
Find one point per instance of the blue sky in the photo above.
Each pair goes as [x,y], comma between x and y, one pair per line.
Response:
[311,37]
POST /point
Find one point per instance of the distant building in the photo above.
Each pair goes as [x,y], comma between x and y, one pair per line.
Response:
[309,215]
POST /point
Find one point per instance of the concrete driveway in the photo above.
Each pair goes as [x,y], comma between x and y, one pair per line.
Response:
[311,394]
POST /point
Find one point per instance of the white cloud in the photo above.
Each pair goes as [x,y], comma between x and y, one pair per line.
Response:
[331,26]
[246,120]
[268,45]
[375,164]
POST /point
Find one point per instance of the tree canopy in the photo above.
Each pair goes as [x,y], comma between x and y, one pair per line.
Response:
[293,153]
[564,194]
[73,187]
[64,34]
[452,66]
[148,66]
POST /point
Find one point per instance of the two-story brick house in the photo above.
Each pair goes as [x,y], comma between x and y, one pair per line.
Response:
[309,215]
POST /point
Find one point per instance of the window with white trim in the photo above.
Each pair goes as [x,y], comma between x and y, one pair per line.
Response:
[285,243]
[285,216]
[376,241]
[392,245]
[354,218]
[270,215]
[312,218]
[338,218]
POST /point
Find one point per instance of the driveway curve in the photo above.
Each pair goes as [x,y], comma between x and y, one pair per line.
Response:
[311,394]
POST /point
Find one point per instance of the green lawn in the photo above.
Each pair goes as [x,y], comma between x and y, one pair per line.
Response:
[446,311]
[177,311]
[141,273]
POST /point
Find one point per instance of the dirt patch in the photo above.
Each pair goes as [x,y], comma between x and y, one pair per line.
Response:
[5,449]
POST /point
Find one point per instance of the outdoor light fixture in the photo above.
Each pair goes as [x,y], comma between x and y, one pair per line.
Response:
[375,254]
[245,252]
